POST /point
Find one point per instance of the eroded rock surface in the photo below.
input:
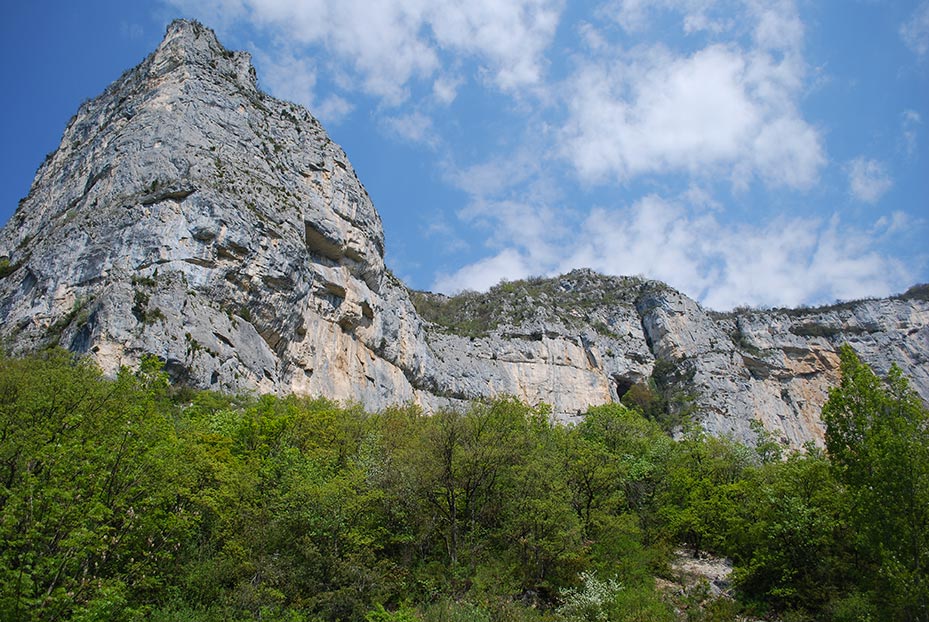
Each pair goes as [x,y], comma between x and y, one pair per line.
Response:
[188,215]
[586,338]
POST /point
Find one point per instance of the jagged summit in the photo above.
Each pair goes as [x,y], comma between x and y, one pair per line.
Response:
[188,215]
[194,48]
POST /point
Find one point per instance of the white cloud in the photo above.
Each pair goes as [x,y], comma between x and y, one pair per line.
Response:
[541,229]
[510,36]
[909,126]
[632,15]
[414,127]
[390,43]
[787,152]
[450,240]
[701,199]
[915,31]
[294,79]
[508,264]
[635,16]
[789,262]
[445,89]
[724,105]
[778,25]
[895,222]
[495,176]
[719,109]
[653,237]
[868,180]
[776,19]
[785,261]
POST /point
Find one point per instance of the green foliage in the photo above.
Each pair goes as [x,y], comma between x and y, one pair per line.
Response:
[92,501]
[6,267]
[142,310]
[703,491]
[877,434]
[842,535]
[379,614]
[78,315]
[591,601]
[917,292]
[569,300]
[608,600]
[669,400]
[128,498]
[794,550]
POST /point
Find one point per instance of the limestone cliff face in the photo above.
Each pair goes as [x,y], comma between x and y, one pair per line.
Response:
[188,215]
[584,338]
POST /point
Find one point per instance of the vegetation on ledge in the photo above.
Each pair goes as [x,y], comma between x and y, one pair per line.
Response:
[568,299]
[130,499]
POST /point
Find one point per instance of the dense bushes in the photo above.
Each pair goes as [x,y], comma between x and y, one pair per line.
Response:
[130,499]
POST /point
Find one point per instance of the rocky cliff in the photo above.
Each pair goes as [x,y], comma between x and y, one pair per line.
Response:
[189,215]
[586,338]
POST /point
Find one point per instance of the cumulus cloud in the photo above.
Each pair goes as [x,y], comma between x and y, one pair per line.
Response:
[722,109]
[665,122]
[915,31]
[868,180]
[894,223]
[775,20]
[632,15]
[541,229]
[509,264]
[653,237]
[778,25]
[510,36]
[785,261]
[388,44]
[496,176]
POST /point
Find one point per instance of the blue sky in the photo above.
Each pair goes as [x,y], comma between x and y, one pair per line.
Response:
[745,151]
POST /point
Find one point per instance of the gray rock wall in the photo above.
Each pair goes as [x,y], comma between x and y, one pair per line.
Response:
[189,215]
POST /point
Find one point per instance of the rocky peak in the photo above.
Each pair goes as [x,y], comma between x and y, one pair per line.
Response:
[188,215]
[184,190]
[190,50]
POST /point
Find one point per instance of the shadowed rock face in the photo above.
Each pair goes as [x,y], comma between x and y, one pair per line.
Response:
[189,215]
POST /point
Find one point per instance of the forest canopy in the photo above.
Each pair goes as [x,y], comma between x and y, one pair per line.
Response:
[130,498]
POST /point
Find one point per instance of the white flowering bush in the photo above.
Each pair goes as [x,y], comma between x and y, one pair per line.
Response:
[590,602]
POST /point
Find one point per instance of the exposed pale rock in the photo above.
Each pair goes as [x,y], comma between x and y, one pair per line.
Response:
[187,214]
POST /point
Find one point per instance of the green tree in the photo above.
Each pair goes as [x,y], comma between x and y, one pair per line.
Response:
[541,530]
[877,435]
[90,513]
[792,550]
[464,456]
[638,450]
[703,491]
